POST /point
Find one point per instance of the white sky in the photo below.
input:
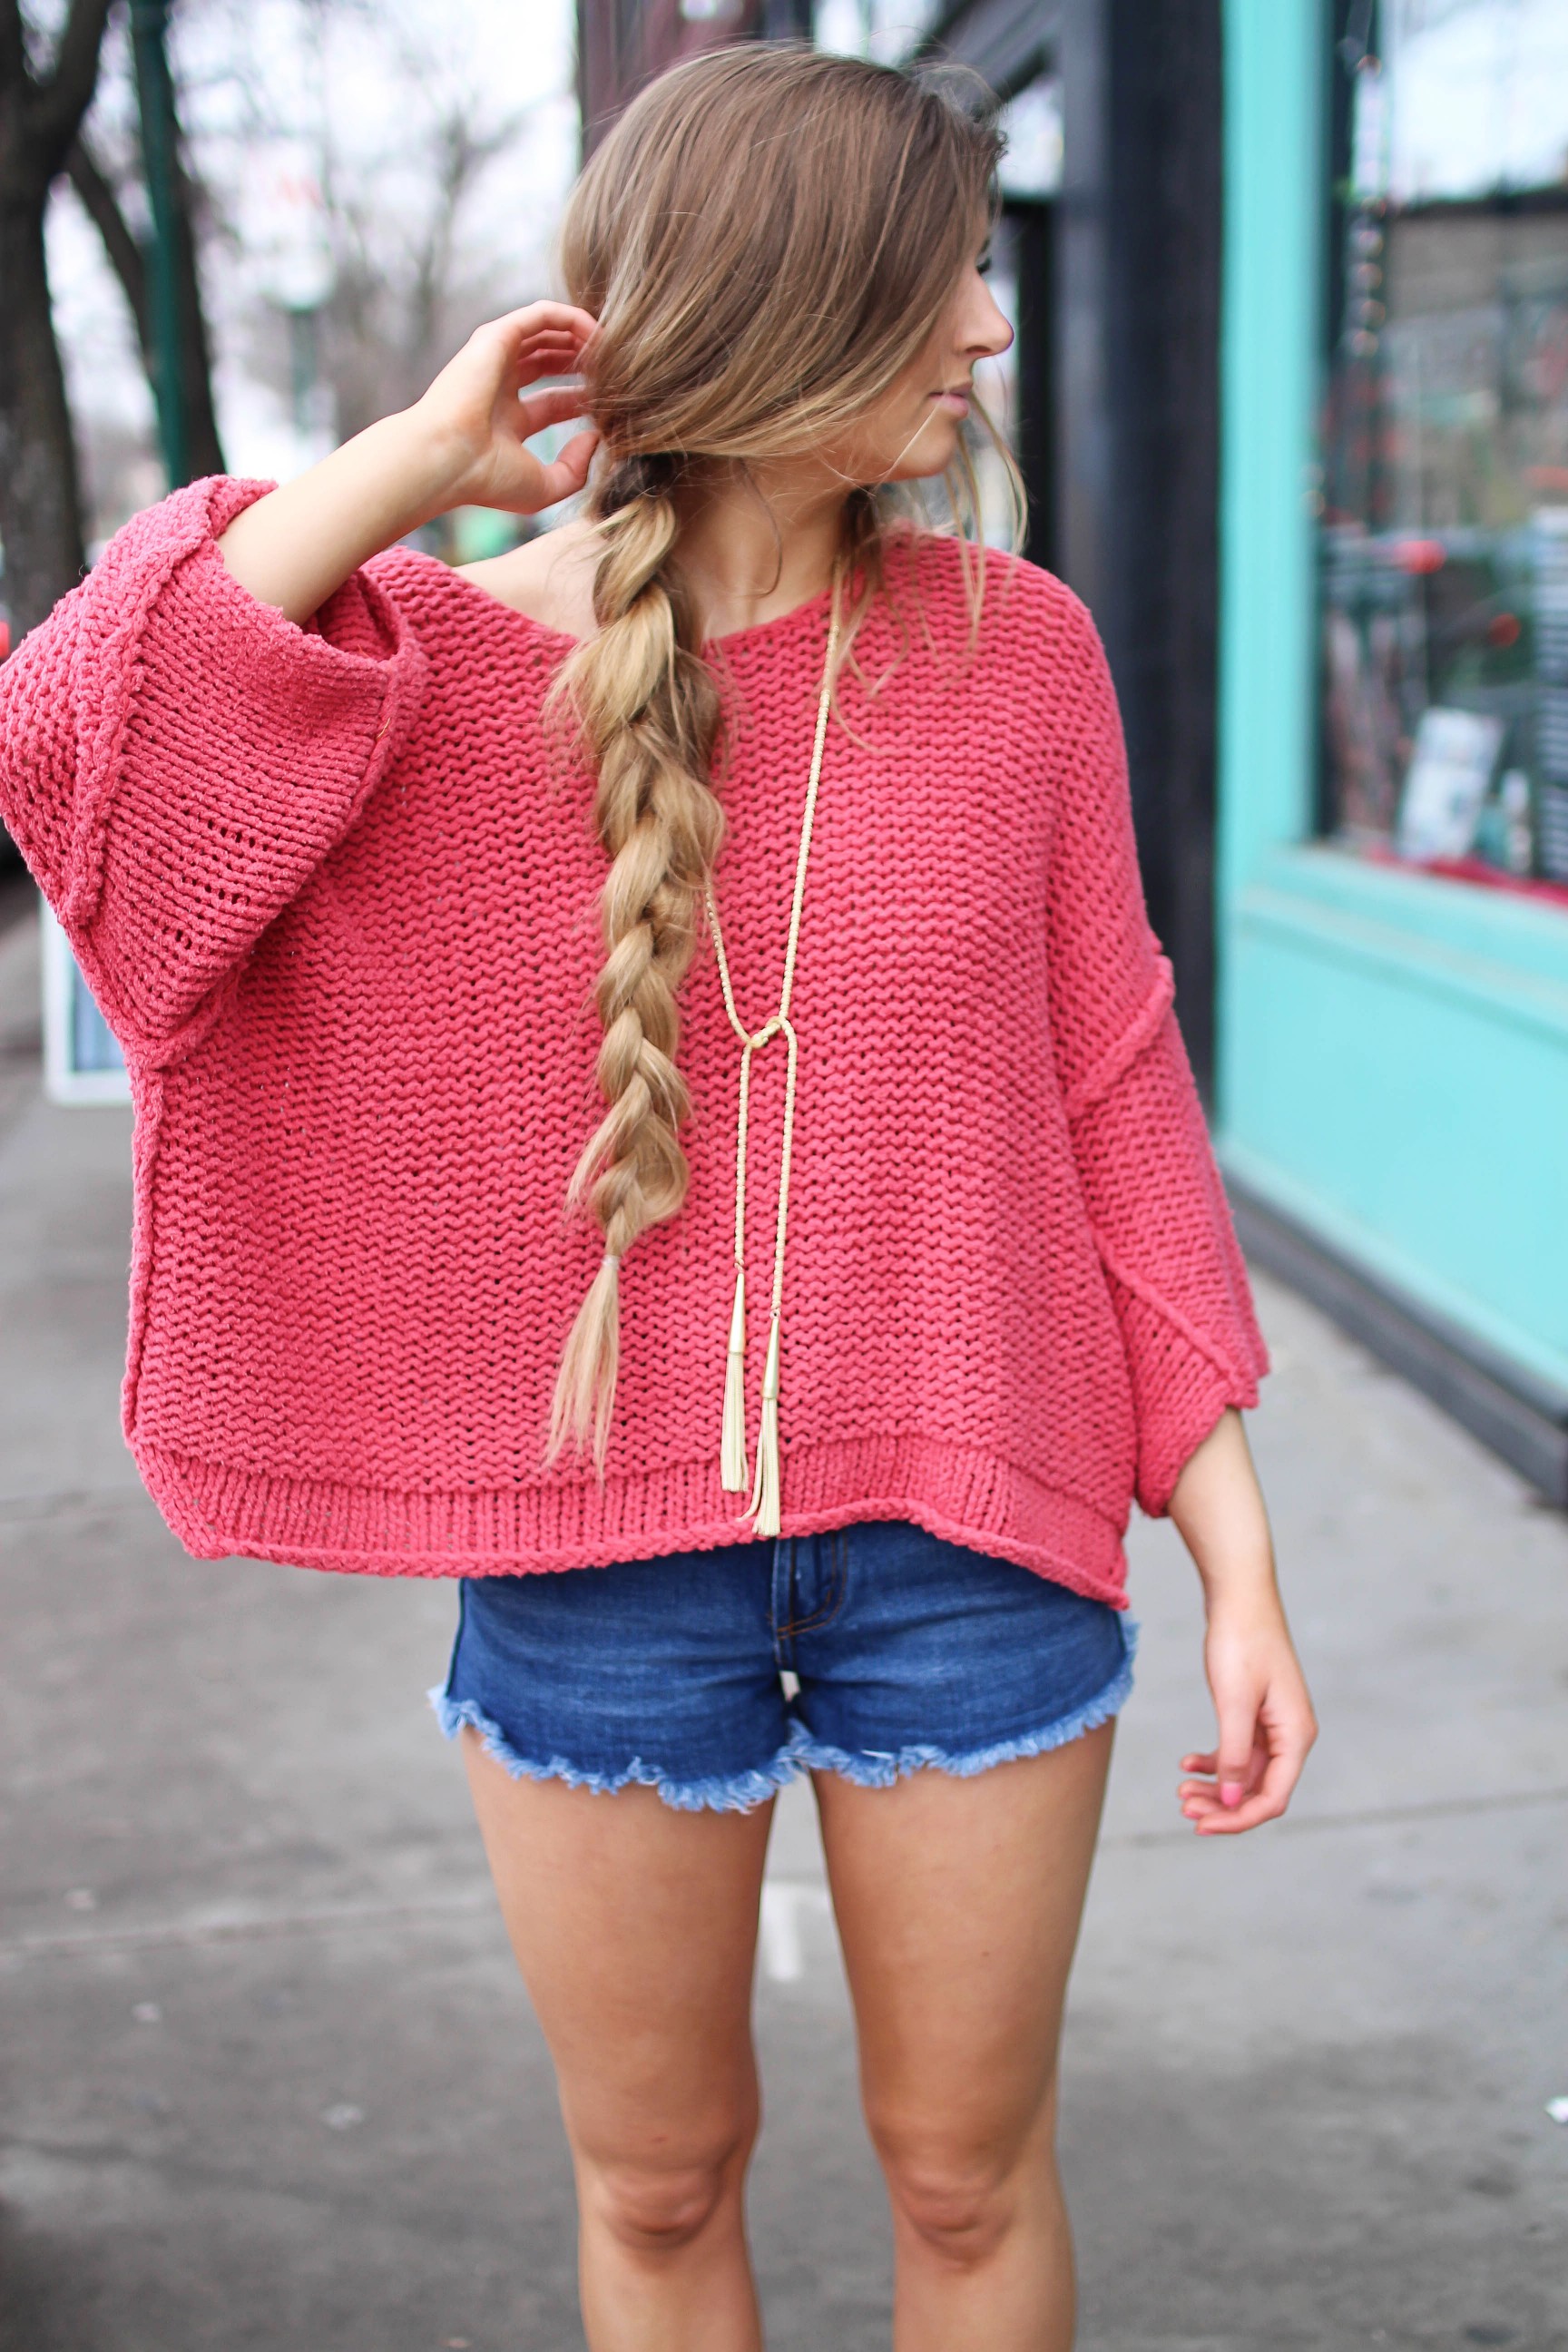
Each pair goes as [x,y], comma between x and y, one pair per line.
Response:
[1479,93]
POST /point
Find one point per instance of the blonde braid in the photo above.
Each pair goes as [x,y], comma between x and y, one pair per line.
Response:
[648,708]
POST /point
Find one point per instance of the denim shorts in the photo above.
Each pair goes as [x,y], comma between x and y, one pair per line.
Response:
[715,1676]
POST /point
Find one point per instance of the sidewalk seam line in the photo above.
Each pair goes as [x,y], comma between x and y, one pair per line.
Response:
[479,1898]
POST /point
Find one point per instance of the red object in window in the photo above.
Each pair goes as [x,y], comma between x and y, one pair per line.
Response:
[1490,877]
[1503,629]
[1421,555]
[1470,869]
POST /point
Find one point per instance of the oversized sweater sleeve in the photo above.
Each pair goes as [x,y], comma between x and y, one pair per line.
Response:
[1155,1202]
[176,758]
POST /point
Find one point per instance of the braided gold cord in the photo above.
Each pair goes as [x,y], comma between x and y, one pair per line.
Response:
[764,1506]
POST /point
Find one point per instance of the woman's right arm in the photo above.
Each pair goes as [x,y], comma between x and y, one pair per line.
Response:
[197,725]
[1156,1205]
[463,444]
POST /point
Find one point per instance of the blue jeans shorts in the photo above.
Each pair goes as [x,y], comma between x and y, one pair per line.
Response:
[900,1650]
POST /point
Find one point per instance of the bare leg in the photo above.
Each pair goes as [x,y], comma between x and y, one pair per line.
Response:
[635,1927]
[959,1902]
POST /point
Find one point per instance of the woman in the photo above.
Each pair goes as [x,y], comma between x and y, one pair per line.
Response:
[351,846]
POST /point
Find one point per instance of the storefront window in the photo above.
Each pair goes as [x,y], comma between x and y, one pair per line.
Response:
[1444,493]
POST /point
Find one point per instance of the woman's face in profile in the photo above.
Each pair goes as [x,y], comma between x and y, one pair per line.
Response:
[914,430]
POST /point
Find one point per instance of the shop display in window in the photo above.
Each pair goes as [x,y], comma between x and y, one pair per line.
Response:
[1444,498]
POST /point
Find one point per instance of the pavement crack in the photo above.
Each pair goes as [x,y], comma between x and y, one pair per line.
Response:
[346,1918]
[326,1919]
[37,1511]
[1370,1817]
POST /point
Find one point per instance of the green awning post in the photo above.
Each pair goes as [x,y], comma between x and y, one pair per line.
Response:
[155,99]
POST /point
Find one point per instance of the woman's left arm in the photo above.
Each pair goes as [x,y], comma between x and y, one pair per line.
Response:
[1264,1715]
[1159,1222]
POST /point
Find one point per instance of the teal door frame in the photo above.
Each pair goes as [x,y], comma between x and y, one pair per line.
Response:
[1392,1048]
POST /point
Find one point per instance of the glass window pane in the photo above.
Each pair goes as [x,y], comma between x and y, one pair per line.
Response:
[1444,497]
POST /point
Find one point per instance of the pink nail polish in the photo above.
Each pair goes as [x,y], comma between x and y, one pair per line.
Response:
[1231,1793]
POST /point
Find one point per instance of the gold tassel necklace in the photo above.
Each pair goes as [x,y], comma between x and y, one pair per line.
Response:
[763,1507]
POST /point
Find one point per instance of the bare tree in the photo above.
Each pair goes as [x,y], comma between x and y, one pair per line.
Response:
[102,196]
[400,301]
[404,276]
[413,264]
[42,102]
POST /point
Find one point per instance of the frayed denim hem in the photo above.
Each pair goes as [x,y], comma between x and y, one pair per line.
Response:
[741,1793]
[870,1769]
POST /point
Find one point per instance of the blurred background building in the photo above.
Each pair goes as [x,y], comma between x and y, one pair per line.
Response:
[1391,1081]
[1290,394]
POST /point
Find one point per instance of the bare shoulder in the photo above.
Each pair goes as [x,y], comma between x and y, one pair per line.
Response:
[549,579]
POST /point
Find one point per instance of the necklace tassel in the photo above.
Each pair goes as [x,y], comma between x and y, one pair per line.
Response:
[765,1505]
[764,1509]
[734,1474]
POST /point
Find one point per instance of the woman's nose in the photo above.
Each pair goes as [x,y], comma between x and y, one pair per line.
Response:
[986,332]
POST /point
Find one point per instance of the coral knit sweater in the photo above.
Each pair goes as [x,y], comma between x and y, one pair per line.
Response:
[335,890]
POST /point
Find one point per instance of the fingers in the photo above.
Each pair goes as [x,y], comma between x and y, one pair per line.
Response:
[1274,1768]
[538,355]
[566,476]
[1238,1765]
[503,356]
[1264,1801]
[536,319]
[551,406]
[1262,1717]
[1250,1777]
[543,339]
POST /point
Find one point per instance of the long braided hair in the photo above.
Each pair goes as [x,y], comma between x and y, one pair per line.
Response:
[766,237]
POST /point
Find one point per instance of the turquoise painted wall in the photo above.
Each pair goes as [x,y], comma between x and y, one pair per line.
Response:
[1392,1067]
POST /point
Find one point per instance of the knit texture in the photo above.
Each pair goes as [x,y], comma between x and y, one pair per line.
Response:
[335,890]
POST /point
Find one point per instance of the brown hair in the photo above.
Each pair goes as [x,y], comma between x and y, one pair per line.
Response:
[766,237]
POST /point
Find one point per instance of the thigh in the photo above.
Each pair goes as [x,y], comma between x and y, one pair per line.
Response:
[635,1927]
[958,1902]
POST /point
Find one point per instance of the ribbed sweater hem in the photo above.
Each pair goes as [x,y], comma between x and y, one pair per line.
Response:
[960,1493]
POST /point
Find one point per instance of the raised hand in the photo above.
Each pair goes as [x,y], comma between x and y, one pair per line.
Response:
[480,405]
[463,443]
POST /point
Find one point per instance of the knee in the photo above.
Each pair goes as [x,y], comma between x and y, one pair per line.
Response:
[960,2201]
[657,2205]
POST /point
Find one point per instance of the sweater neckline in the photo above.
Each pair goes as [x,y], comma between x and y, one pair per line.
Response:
[775,624]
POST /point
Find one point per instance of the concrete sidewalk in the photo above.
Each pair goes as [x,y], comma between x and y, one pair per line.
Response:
[271,2082]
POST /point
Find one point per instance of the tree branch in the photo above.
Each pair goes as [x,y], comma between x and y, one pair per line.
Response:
[14,72]
[65,97]
[125,257]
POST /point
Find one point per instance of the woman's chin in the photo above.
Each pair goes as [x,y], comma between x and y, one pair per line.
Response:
[930,452]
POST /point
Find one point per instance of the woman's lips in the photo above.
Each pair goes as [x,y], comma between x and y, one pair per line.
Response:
[955,402]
